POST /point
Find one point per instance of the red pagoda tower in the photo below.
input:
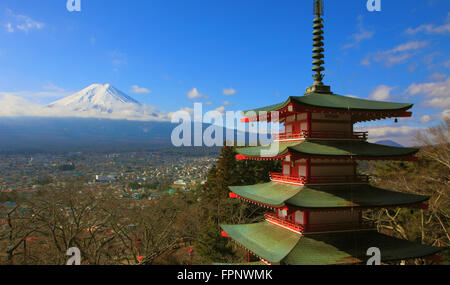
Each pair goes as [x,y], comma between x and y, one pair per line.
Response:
[317,201]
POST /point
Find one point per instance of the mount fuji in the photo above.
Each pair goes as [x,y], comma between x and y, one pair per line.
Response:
[104,98]
[104,101]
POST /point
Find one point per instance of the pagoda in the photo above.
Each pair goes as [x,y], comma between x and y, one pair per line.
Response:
[316,203]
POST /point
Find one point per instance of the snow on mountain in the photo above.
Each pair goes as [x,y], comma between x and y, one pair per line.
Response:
[104,101]
[104,98]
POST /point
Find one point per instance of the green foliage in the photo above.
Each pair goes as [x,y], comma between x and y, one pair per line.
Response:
[211,245]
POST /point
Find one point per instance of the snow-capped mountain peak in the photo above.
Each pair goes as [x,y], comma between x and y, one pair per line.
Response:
[99,97]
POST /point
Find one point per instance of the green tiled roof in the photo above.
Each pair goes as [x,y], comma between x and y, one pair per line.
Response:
[333,101]
[278,245]
[273,194]
[266,240]
[257,263]
[325,196]
[314,147]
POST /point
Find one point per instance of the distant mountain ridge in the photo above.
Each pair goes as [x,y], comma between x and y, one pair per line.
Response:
[31,134]
[389,143]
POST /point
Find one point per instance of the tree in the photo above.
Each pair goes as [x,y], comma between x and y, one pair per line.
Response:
[211,245]
[429,177]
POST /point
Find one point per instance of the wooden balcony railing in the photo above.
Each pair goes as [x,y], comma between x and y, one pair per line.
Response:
[280,177]
[320,134]
[271,217]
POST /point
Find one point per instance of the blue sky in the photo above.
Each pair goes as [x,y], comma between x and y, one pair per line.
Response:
[233,54]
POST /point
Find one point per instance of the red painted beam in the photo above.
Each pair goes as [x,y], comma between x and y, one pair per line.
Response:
[224,234]
[404,115]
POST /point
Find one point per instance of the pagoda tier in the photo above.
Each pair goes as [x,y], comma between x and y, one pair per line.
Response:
[358,110]
[326,149]
[318,199]
[276,245]
[323,197]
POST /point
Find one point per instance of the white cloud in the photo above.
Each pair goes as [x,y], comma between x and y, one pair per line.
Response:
[445,114]
[431,29]
[194,94]
[228,91]
[21,22]
[139,90]
[401,134]
[397,55]
[16,106]
[414,45]
[432,89]
[29,24]
[221,110]
[425,119]
[190,111]
[437,92]
[382,131]
[49,93]
[381,93]
[361,35]
[227,103]
[439,103]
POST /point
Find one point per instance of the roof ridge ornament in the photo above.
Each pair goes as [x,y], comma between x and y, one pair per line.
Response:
[318,86]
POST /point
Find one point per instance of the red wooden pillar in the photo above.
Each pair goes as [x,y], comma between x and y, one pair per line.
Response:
[309,118]
[305,219]
[248,255]
[308,169]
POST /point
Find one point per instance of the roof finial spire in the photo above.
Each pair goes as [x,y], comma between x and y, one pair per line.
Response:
[318,43]
[318,50]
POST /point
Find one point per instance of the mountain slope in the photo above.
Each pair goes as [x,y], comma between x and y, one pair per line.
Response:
[104,98]
[104,101]
[389,143]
